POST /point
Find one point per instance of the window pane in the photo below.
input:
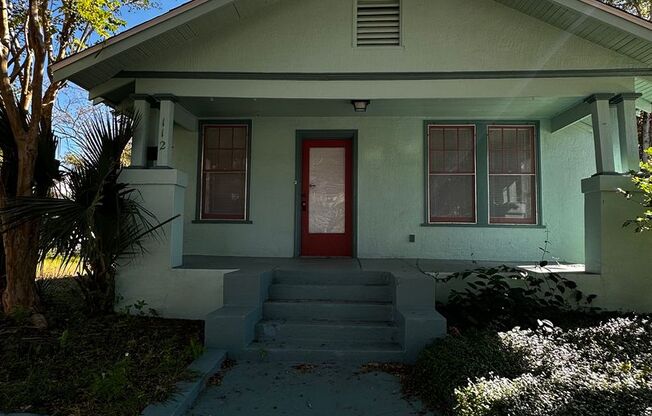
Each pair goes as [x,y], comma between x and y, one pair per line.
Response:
[239,159]
[512,199]
[452,198]
[436,139]
[466,138]
[239,137]
[224,195]
[225,159]
[437,161]
[226,138]
[450,139]
[451,161]
[452,149]
[466,161]
[511,150]
[211,159]
[211,138]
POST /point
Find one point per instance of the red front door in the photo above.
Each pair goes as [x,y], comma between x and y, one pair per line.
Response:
[326,198]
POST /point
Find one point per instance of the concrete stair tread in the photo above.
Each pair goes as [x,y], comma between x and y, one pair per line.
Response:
[327,302]
[313,284]
[325,345]
[328,278]
[328,322]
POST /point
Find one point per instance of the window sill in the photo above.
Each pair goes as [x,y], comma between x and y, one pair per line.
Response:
[532,226]
[221,222]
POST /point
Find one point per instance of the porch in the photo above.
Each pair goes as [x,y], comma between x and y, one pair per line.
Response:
[356,264]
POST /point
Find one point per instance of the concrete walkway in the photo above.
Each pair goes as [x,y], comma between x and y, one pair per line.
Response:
[281,388]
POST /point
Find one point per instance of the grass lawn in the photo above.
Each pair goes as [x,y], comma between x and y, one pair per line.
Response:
[111,365]
[53,268]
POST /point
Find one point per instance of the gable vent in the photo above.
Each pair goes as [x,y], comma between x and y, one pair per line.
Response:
[378,23]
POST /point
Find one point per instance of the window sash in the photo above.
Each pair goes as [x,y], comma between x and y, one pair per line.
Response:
[229,158]
[433,170]
[531,173]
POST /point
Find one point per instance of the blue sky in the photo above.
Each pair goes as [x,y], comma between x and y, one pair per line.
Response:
[132,19]
[160,7]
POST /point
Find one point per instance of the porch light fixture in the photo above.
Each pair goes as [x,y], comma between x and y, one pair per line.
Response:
[360,106]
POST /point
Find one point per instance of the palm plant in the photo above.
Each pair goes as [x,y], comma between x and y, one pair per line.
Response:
[96,218]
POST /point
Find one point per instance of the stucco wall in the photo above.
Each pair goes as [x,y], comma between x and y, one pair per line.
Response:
[441,35]
[390,196]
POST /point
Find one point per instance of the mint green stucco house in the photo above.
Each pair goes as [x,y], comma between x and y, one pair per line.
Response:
[381,131]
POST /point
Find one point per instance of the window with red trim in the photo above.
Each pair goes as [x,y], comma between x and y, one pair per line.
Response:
[224,171]
[451,174]
[512,175]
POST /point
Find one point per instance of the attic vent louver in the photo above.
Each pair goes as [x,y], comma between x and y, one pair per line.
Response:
[378,23]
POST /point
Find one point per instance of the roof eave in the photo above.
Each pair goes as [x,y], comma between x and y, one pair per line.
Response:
[610,15]
[186,12]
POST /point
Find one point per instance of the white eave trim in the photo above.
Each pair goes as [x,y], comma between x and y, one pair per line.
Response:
[610,15]
[135,35]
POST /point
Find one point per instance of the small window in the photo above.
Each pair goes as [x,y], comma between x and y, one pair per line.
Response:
[378,23]
[512,175]
[224,171]
[451,174]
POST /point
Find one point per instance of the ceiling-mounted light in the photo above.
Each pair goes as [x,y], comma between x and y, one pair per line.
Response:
[360,106]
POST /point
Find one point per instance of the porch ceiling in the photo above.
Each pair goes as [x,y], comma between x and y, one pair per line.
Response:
[497,108]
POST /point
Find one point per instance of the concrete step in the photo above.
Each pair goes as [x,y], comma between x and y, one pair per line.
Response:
[356,278]
[322,310]
[368,293]
[282,330]
[321,350]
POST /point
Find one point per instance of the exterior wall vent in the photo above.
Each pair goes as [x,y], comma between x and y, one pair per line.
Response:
[378,23]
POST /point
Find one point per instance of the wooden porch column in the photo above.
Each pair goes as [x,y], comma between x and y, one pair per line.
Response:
[142,107]
[627,130]
[165,140]
[602,133]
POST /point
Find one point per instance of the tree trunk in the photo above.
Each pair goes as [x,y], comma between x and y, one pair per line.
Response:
[21,242]
[21,259]
[3,271]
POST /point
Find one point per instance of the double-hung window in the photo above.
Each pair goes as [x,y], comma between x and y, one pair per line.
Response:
[451,174]
[224,171]
[512,175]
[502,189]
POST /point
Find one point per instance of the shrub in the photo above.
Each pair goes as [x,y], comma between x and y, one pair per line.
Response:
[601,370]
[505,297]
[451,361]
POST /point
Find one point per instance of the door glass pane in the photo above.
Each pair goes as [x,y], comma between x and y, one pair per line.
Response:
[326,197]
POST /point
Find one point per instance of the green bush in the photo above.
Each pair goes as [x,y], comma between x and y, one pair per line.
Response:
[601,370]
[451,361]
[643,183]
[503,297]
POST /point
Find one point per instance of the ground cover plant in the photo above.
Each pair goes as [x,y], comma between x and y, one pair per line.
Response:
[599,368]
[112,364]
[523,345]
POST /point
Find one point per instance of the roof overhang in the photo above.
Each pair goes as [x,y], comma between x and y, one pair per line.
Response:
[604,25]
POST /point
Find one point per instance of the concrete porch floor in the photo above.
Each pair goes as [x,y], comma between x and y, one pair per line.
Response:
[260,264]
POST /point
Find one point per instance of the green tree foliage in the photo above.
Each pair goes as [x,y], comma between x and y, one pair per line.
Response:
[641,8]
[643,182]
